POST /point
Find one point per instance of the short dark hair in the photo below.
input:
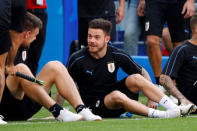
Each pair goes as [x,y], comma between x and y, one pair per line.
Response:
[193,22]
[101,23]
[31,22]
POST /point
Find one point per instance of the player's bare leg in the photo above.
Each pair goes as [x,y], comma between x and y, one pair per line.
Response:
[154,54]
[19,86]
[55,73]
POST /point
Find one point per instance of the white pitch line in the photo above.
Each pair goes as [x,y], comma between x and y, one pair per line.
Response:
[47,122]
[30,123]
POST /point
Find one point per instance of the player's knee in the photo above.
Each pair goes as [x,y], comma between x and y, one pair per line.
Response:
[55,66]
[152,41]
[133,80]
[23,68]
[118,97]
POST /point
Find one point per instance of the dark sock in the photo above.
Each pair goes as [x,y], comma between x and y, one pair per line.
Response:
[157,80]
[80,108]
[55,109]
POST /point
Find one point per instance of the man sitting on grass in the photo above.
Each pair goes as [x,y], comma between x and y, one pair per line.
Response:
[180,73]
[22,98]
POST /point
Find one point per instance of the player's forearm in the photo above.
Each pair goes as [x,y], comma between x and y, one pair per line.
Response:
[141,0]
[169,85]
[12,55]
[191,1]
[145,74]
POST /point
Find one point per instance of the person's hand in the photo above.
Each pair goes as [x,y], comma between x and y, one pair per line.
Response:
[185,101]
[141,8]
[119,14]
[11,70]
[188,9]
[152,104]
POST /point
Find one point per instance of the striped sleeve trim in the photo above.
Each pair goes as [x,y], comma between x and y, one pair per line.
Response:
[173,62]
[118,53]
[77,59]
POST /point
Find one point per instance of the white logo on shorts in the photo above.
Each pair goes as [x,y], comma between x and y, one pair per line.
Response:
[97,103]
[147,25]
[24,55]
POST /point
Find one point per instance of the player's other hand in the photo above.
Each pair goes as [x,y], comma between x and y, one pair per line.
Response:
[188,9]
[141,8]
[152,104]
[11,70]
[119,14]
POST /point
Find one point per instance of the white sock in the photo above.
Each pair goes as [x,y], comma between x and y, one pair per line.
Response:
[156,113]
[167,103]
[163,114]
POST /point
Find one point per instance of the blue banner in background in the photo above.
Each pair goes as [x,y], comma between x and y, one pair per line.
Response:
[70,31]
[53,47]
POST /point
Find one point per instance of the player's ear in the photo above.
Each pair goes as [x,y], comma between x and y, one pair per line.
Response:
[107,38]
[26,34]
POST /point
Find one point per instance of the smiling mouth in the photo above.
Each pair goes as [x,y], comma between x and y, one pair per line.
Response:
[92,46]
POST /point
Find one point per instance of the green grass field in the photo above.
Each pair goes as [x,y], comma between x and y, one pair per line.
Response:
[136,123]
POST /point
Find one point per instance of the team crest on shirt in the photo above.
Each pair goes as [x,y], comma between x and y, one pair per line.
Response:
[111,67]
[24,55]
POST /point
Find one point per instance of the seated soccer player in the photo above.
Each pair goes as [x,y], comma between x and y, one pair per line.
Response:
[95,68]
[22,98]
[180,73]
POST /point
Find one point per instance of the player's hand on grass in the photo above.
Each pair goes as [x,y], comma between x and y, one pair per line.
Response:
[152,104]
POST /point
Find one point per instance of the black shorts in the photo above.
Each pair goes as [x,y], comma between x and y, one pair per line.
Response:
[13,109]
[157,13]
[18,11]
[5,16]
[98,107]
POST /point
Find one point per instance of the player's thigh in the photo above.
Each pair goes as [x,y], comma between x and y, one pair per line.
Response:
[114,100]
[13,84]
[48,74]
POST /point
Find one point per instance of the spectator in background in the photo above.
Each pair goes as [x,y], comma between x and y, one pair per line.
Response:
[90,9]
[31,56]
[133,28]
[176,13]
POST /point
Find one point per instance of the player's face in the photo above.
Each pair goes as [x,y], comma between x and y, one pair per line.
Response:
[30,37]
[97,40]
